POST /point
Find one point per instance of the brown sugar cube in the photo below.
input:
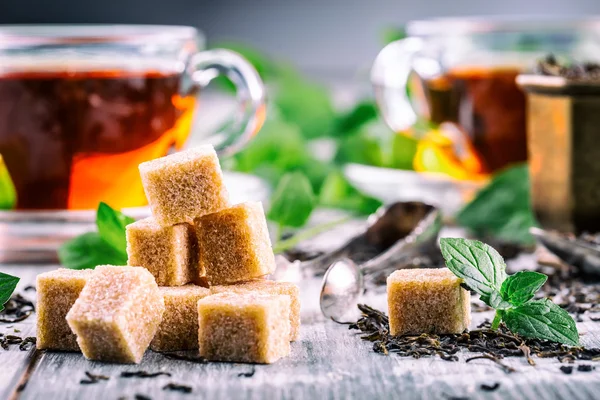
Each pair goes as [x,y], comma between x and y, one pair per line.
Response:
[117,314]
[427,301]
[169,253]
[244,327]
[264,286]
[179,327]
[56,293]
[234,244]
[184,185]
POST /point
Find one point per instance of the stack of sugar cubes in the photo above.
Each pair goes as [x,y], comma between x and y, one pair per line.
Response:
[195,280]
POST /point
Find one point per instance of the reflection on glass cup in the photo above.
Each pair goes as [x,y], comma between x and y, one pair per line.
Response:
[463,71]
[82,106]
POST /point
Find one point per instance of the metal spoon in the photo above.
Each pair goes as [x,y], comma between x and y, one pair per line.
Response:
[573,251]
[408,231]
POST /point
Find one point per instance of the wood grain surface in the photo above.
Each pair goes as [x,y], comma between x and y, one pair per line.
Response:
[328,362]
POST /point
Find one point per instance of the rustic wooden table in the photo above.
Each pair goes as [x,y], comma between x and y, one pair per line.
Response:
[328,362]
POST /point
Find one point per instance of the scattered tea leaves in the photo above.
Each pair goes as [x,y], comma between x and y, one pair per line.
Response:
[28,343]
[16,309]
[489,388]
[143,374]
[175,387]
[374,327]
[248,374]
[567,369]
[506,368]
[186,357]
[93,378]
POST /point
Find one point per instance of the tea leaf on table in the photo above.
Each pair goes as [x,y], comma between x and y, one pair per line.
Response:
[521,287]
[111,226]
[544,320]
[8,283]
[479,265]
[88,251]
[503,208]
[293,201]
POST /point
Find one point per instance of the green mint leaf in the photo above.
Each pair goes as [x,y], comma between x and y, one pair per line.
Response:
[519,288]
[111,226]
[497,302]
[336,192]
[88,251]
[503,208]
[361,148]
[302,102]
[542,319]
[8,283]
[479,265]
[293,201]
[348,122]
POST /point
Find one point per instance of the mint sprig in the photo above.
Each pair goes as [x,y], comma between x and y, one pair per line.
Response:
[484,271]
[107,246]
[8,283]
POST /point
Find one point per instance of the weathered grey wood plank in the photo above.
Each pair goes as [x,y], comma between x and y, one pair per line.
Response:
[327,362]
[14,361]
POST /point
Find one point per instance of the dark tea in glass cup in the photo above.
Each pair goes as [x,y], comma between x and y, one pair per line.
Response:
[463,71]
[82,106]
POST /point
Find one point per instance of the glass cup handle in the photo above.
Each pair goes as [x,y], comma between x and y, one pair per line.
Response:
[251,96]
[389,76]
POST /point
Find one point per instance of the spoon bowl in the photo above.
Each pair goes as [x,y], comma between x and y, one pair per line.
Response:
[341,289]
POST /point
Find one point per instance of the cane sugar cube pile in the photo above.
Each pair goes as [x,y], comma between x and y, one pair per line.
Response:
[57,291]
[244,327]
[179,327]
[427,301]
[196,278]
[117,314]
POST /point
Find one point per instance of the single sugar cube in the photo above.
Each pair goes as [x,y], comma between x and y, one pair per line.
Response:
[264,286]
[244,327]
[170,253]
[184,185]
[56,293]
[234,244]
[179,327]
[427,301]
[117,314]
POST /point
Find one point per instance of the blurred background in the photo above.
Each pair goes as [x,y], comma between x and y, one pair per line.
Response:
[329,39]
[334,136]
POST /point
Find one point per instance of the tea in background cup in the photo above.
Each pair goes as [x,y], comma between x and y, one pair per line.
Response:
[82,106]
[463,71]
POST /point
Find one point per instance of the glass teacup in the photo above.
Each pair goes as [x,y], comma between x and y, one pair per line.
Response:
[82,106]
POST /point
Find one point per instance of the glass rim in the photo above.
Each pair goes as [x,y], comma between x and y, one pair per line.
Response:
[500,24]
[66,34]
